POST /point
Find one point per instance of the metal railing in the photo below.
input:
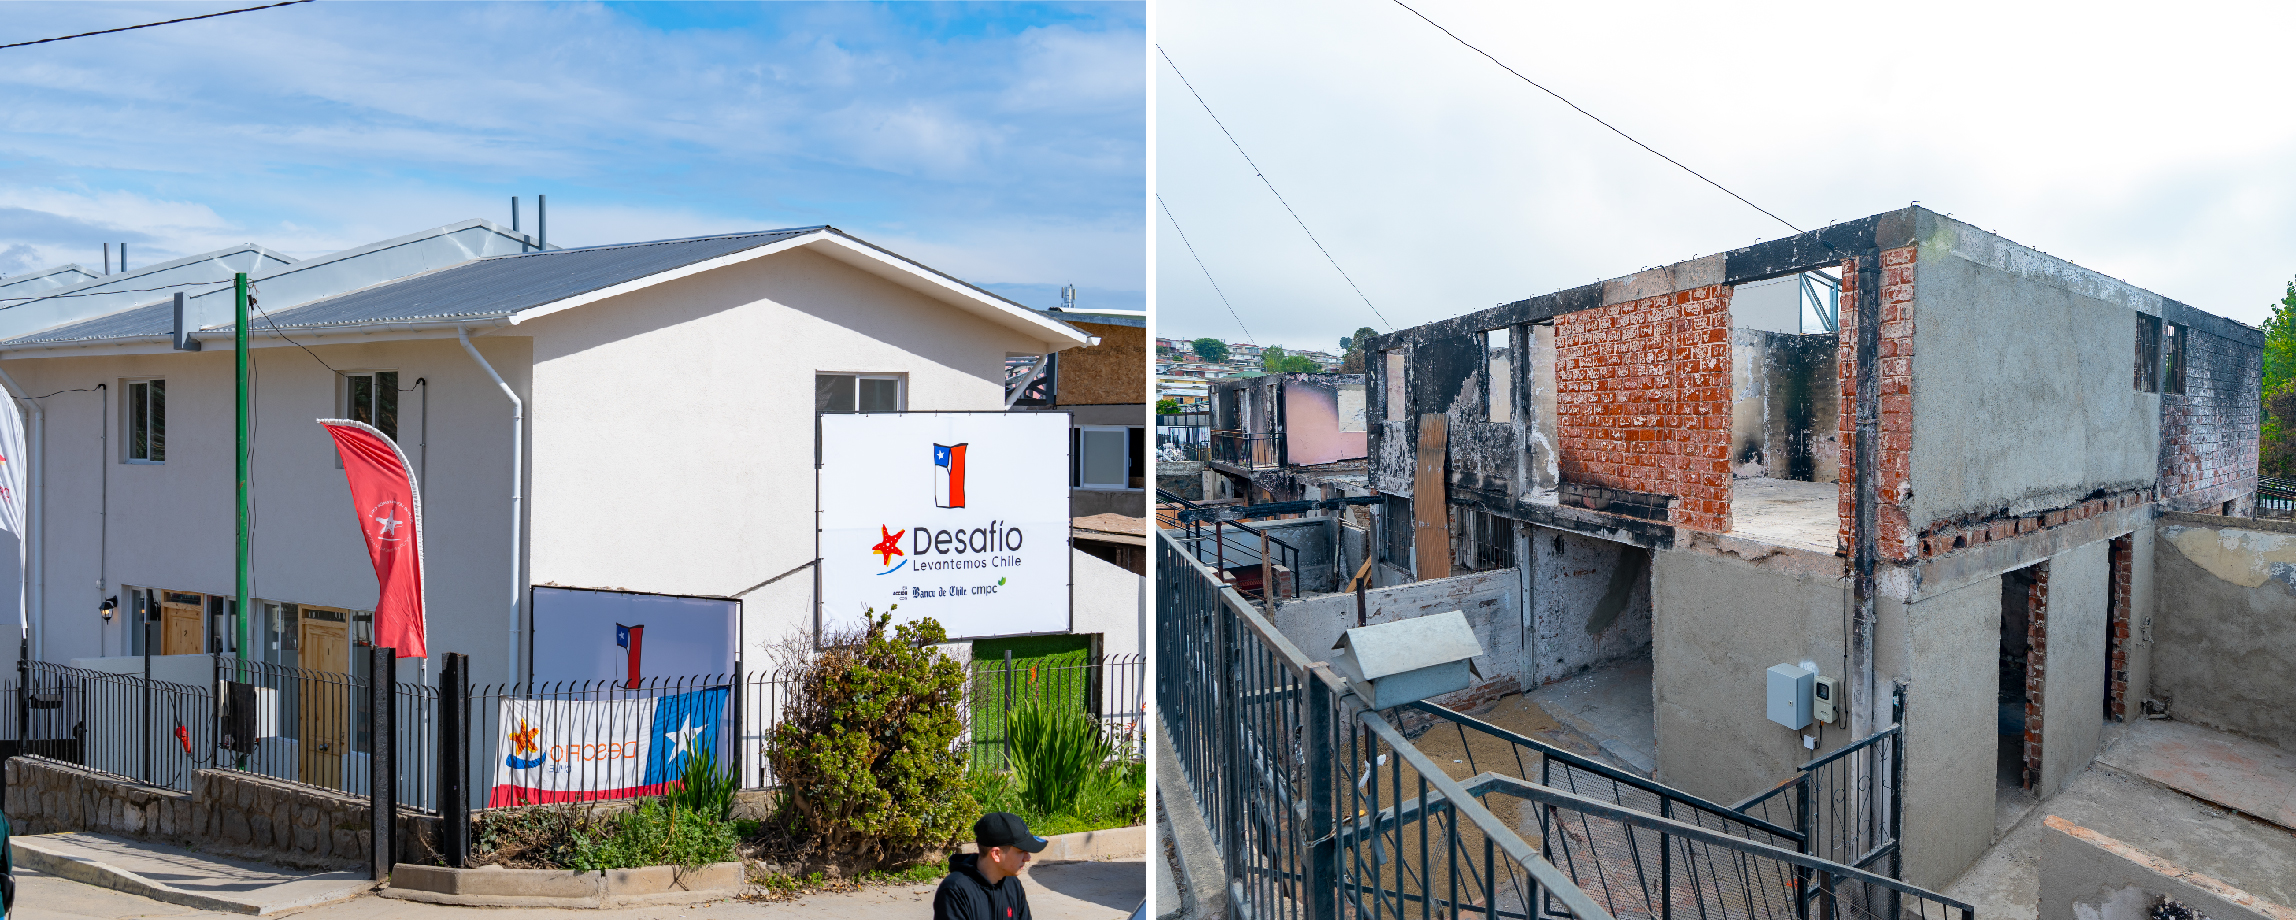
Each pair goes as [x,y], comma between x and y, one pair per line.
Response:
[1235,549]
[150,732]
[1325,810]
[1111,688]
[1848,803]
[1248,450]
[317,728]
[2275,497]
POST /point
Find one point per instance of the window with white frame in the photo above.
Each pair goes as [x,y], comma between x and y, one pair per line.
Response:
[859,393]
[145,414]
[372,397]
[1103,457]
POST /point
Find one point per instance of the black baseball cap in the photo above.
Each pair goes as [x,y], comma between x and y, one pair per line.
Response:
[1005,829]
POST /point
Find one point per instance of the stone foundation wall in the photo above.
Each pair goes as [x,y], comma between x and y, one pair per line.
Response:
[227,812]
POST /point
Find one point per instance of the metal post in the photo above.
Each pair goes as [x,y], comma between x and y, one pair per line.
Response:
[143,617]
[1802,825]
[1004,731]
[239,401]
[1362,612]
[1219,553]
[1897,796]
[382,765]
[1665,863]
[1267,579]
[1323,850]
[454,759]
[739,726]
[1224,745]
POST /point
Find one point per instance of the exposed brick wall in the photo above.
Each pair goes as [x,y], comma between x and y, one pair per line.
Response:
[1643,400]
[2117,631]
[2209,432]
[1959,533]
[1894,533]
[2036,669]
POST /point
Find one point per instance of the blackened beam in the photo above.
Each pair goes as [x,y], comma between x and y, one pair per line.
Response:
[1585,523]
[1824,247]
[1268,509]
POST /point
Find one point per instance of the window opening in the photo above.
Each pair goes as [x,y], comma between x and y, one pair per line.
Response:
[2148,353]
[372,397]
[1103,457]
[1499,361]
[1397,407]
[1395,532]
[2176,339]
[1486,540]
[858,393]
[146,417]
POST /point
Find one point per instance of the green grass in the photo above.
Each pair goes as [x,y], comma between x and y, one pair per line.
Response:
[1114,797]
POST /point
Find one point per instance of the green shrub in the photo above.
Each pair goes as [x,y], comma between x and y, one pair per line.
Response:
[706,788]
[656,833]
[868,750]
[1055,750]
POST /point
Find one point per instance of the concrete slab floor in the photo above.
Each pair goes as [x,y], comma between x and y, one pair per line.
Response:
[1059,891]
[1781,512]
[2253,855]
[1612,706]
[2251,777]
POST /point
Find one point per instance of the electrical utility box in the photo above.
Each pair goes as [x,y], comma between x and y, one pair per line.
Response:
[1410,660]
[1789,695]
[1825,701]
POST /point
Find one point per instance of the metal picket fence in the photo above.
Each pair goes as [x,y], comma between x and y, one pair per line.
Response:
[1325,809]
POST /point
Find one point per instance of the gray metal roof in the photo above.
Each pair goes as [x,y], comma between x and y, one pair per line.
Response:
[499,286]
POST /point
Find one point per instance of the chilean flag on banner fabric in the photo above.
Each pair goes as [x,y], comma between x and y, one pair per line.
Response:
[948,475]
[632,638]
[391,519]
[587,750]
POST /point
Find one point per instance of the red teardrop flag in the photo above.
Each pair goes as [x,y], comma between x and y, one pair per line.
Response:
[391,519]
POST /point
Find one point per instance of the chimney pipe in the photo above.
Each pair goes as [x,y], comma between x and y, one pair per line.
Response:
[541,222]
[107,258]
[123,258]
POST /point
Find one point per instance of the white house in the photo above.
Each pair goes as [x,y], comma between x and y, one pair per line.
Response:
[636,418]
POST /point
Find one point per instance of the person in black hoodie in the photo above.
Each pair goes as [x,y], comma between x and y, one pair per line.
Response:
[983,886]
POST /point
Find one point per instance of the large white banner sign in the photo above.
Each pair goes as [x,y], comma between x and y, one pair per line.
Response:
[631,638]
[959,516]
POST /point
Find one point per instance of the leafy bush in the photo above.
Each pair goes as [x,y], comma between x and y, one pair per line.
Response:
[1115,796]
[868,750]
[656,833]
[1055,750]
[706,788]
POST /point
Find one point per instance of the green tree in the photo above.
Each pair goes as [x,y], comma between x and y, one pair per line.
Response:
[1167,406]
[1352,362]
[1298,364]
[2278,448]
[1272,360]
[1212,350]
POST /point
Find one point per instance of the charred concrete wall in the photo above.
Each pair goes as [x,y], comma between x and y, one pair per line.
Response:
[1894,534]
[1590,603]
[1487,598]
[2225,630]
[2209,432]
[1785,406]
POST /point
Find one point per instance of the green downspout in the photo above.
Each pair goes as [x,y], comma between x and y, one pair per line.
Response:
[239,357]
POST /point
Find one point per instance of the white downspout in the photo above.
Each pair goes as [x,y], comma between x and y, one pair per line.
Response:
[517,487]
[35,588]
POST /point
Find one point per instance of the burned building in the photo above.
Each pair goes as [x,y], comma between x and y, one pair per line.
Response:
[1284,437]
[1901,453]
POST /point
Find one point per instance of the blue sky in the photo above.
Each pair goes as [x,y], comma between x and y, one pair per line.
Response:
[1003,143]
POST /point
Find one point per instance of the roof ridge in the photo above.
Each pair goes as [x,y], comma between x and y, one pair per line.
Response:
[683,239]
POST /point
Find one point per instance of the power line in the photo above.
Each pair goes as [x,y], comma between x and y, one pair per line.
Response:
[151,24]
[1200,264]
[1271,186]
[1613,128]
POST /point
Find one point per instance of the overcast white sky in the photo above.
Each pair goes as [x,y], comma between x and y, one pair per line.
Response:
[2152,143]
[1003,143]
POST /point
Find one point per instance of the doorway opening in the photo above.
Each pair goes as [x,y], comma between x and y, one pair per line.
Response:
[2024,648]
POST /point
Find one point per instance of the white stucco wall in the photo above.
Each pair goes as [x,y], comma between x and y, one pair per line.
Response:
[170,525]
[673,427]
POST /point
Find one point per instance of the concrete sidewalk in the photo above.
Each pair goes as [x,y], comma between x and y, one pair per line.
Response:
[1059,891]
[173,875]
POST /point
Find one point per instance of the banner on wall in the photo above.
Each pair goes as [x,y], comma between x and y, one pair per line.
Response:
[627,637]
[588,750]
[959,516]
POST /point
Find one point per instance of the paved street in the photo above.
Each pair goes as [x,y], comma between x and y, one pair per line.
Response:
[1064,891]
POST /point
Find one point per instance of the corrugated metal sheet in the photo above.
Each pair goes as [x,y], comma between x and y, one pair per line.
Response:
[503,285]
[150,319]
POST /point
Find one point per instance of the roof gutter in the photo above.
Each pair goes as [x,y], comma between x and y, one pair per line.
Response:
[517,493]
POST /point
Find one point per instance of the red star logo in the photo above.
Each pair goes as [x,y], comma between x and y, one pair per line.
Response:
[888,547]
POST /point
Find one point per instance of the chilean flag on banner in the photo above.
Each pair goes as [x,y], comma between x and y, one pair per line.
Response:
[949,475]
[391,519]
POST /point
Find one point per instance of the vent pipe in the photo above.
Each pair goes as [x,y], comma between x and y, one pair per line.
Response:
[123,258]
[541,222]
[107,258]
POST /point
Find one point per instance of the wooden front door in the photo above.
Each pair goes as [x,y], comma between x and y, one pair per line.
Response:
[325,644]
[182,624]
